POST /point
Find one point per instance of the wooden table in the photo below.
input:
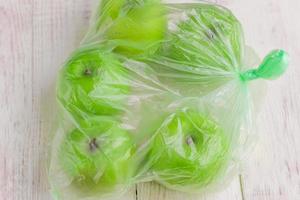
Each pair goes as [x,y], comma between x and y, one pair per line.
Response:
[36,36]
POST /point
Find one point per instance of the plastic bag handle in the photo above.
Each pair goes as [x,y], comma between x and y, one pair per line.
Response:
[272,67]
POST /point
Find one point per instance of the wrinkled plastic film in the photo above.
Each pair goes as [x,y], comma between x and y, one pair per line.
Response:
[156,92]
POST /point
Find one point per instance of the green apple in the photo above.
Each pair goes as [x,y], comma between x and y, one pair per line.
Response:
[97,160]
[93,85]
[202,52]
[140,27]
[188,151]
[210,38]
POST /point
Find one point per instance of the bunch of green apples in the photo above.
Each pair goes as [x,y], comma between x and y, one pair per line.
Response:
[188,151]
[135,26]
[93,89]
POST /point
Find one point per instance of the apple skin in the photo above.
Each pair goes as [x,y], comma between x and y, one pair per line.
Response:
[139,29]
[188,151]
[202,52]
[98,161]
[210,37]
[93,86]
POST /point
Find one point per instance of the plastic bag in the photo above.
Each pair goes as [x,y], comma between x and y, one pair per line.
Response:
[156,92]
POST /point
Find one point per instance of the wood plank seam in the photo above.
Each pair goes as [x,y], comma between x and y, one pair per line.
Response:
[241,187]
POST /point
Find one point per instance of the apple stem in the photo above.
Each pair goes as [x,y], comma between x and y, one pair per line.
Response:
[189,140]
[93,145]
[87,72]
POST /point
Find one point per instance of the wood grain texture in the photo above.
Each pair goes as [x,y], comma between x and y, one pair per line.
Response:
[272,172]
[36,36]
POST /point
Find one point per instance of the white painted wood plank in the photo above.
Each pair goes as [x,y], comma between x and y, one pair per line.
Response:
[18,121]
[57,29]
[36,37]
[150,191]
[272,172]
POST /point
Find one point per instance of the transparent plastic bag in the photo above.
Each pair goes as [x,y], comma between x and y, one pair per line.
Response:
[155,92]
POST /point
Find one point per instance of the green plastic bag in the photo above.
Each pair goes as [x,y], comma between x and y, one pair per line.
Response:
[156,92]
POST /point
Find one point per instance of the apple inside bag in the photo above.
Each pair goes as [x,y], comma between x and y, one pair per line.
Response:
[156,92]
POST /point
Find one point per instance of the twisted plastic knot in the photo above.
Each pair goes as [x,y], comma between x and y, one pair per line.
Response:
[272,67]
